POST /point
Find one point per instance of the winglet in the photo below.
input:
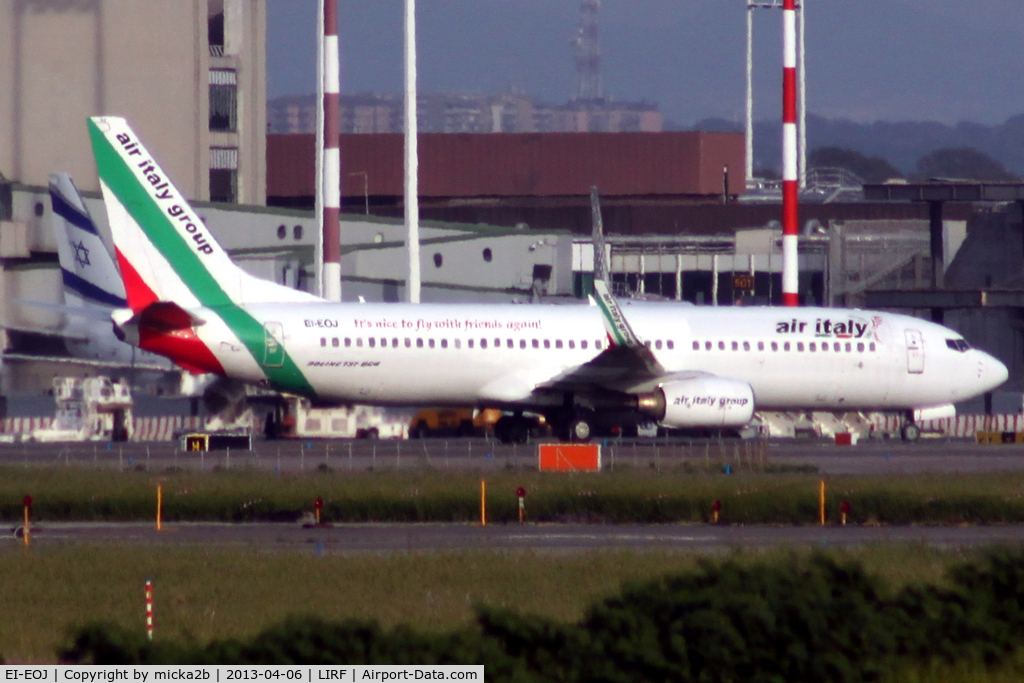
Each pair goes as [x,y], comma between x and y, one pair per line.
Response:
[615,324]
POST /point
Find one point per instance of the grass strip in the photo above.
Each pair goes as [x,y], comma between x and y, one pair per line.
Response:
[429,495]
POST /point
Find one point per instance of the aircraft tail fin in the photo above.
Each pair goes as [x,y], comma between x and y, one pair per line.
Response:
[87,270]
[163,248]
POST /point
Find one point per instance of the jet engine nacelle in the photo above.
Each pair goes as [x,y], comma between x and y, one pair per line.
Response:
[700,401]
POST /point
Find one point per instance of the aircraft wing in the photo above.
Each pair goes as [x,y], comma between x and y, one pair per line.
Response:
[81,311]
[59,334]
[625,365]
[85,362]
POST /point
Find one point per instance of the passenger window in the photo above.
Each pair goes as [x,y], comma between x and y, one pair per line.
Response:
[583,344]
[323,341]
[746,346]
[707,346]
[522,343]
[760,346]
[547,343]
[558,343]
[348,342]
[334,342]
[536,344]
[359,341]
[800,346]
[394,343]
[696,346]
[812,347]
[458,343]
[483,343]
[670,344]
[373,342]
[657,345]
[860,347]
[444,343]
[785,346]
[871,346]
[469,343]
[735,346]
[408,342]
[430,342]
[383,343]
[419,342]
[721,346]
[849,347]
[497,343]
[572,344]
[598,345]
[511,344]
[775,346]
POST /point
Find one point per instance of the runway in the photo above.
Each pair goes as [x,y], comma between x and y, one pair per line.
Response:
[388,538]
[872,457]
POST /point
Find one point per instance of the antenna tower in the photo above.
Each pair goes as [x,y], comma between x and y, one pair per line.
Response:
[588,54]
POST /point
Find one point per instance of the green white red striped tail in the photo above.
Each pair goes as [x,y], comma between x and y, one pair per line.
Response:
[164,250]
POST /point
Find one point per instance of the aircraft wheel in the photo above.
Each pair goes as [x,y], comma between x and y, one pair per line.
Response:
[579,429]
[911,432]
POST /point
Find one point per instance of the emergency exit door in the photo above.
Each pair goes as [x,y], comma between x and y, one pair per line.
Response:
[915,352]
[273,349]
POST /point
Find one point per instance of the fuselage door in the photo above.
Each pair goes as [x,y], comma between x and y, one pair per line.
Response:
[915,352]
[273,348]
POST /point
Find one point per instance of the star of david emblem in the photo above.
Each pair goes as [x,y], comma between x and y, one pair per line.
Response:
[81,253]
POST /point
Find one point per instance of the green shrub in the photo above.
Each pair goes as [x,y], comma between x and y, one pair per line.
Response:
[799,620]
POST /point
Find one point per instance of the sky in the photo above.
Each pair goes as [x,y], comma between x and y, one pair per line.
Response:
[867,60]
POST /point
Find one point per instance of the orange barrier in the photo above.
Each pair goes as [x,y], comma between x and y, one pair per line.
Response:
[569,457]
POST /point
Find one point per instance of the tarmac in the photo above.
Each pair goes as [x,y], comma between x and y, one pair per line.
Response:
[389,538]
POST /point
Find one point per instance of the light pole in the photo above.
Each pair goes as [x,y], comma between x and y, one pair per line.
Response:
[412,207]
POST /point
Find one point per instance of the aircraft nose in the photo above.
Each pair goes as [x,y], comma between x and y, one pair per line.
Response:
[992,372]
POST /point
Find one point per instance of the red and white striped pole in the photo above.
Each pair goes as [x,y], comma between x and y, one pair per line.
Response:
[790,180]
[331,156]
[149,609]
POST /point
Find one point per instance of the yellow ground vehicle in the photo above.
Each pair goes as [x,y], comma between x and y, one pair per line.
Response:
[452,422]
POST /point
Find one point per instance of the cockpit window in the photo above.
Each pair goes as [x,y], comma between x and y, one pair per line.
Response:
[960,345]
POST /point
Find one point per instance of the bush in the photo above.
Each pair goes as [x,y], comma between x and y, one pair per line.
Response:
[816,619]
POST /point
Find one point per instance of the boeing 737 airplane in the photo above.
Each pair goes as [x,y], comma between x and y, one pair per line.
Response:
[680,365]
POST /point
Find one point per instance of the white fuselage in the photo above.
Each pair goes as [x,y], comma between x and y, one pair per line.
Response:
[806,358]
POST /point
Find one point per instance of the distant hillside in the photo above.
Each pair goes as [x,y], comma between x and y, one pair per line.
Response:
[901,143]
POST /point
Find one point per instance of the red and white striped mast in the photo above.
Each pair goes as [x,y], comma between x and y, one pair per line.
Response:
[329,156]
[790,178]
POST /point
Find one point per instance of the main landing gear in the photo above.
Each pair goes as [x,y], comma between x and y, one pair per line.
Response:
[910,431]
[513,428]
[576,427]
